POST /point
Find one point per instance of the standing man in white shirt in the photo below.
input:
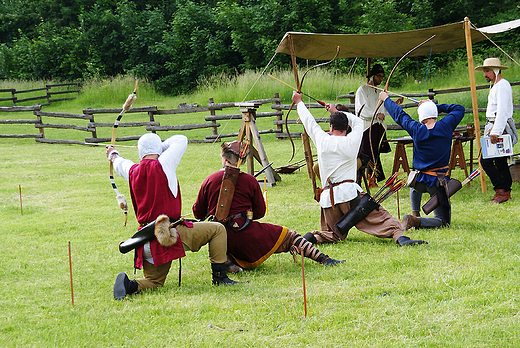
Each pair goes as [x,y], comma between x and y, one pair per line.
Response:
[367,99]
[337,159]
[499,120]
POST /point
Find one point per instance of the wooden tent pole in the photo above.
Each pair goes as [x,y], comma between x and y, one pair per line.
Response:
[305,137]
[368,69]
[473,86]
[293,61]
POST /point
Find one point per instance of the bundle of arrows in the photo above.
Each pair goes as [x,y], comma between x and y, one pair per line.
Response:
[243,152]
[392,185]
[472,176]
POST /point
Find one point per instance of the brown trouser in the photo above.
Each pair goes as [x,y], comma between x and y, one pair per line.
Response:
[202,233]
[287,242]
[379,223]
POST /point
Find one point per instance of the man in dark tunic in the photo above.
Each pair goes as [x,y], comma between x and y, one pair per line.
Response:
[249,242]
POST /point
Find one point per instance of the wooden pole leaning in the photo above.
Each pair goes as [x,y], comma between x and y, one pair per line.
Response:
[473,87]
[249,131]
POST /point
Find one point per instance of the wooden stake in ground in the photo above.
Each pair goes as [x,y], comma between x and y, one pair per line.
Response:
[70,268]
[304,290]
[180,270]
[20,189]
[398,210]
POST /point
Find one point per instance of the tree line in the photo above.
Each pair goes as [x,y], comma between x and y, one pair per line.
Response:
[177,43]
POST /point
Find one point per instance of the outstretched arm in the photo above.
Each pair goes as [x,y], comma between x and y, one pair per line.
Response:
[121,165]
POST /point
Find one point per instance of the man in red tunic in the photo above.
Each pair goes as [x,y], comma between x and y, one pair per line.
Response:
[251,245]
[154,189]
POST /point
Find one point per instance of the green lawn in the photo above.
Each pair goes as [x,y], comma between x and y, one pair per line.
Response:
[460,290]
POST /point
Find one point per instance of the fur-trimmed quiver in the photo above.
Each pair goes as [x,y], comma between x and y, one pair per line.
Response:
[165,235]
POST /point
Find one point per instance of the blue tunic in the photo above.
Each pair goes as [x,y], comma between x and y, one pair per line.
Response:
[432,147]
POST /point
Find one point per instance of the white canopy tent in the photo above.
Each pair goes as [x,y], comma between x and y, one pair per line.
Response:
[320,46]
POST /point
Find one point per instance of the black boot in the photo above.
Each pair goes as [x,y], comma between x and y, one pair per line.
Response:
[310,237]
[331,262]
[124,286]
[219,274]
[403,240]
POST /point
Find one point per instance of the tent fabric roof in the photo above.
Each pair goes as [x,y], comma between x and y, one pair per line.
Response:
[318,46]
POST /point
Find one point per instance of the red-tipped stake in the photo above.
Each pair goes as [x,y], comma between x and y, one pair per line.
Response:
[398,209]
[70,267]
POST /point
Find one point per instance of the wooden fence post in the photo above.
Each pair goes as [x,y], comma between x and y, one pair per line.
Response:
[212,113]
[352,99]
[279,127]
[47,90]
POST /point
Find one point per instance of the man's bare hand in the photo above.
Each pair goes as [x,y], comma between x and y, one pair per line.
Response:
[383,96]
[332,108]
[110,149]
[493,138]
[296,97]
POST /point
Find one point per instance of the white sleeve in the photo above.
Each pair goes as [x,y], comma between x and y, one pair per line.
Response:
[504,105]
[122,166]
[174,147]
[309,123]
[357,126]
[361,99]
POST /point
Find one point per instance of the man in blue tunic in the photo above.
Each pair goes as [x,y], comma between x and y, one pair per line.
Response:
[431,155]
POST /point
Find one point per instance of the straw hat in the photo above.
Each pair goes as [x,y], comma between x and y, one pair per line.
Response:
[491,63]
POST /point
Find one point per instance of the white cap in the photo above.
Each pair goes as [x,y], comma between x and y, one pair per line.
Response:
[426,110]
[149,144]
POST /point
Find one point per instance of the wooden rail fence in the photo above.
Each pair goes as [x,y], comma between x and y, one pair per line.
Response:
[48,96]
[157,123]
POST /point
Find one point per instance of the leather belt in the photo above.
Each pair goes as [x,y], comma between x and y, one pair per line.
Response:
[433,172]
[229,218]
[330,185]
[142,224]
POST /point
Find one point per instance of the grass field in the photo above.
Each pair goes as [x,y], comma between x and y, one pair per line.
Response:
[460,290]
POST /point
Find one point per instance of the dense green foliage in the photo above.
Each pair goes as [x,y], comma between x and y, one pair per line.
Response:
[176,43]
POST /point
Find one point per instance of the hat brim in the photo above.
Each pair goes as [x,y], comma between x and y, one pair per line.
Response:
[482,67]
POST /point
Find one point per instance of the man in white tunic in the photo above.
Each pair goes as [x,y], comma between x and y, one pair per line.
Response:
[367,99]
[499,120]
[337,159]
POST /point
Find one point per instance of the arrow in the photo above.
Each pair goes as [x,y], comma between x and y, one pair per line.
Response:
[288,85]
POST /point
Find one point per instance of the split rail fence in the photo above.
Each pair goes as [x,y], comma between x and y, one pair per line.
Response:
[207,118]
[49,96]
